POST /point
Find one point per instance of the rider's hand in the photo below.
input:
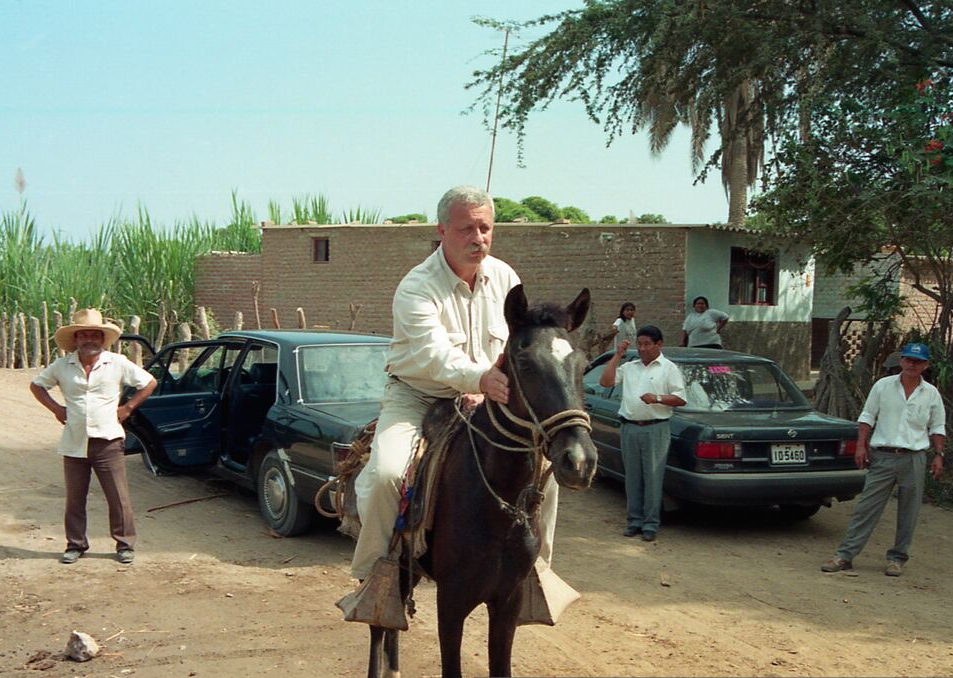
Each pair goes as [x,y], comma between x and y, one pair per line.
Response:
[861,456]
[470,401]
[495,384]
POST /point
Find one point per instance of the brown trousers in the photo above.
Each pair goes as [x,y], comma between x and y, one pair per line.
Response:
[107,458]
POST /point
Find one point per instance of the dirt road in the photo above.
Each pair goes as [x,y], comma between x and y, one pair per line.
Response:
[213,594]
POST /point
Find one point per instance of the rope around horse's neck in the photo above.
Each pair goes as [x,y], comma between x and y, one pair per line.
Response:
[542,435]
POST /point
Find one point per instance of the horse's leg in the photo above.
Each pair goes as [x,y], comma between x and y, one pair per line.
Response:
[502,630]
[453,607]
[391,647]
[374,659]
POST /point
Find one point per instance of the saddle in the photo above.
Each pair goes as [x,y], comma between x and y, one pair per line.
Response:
[378,601]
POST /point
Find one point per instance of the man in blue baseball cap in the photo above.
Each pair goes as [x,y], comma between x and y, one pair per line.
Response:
[902,419]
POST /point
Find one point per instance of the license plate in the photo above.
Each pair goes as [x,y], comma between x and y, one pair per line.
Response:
[788,453]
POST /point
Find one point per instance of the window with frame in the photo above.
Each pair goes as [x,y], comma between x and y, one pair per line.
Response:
[321,250]
[753,278]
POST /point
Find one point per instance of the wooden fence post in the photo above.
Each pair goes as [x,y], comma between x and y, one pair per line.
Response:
[21,322]
[239,319]
[202,321]
[274,319]
[58,321]
[354,309]
[46,334]
[255,291]
[12,350]
[185,334]
[302,323]
[72,309]
[163,326]
[3,339]
[37,338]
[117,347]
[135,348]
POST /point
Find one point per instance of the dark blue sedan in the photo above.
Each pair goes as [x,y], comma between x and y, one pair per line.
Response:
[747,436]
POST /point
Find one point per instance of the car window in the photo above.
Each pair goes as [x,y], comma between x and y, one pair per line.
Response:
[202,375]
[350,373]
[591,385]
[718,387]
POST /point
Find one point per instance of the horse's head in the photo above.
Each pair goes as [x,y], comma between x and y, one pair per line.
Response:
[545,373]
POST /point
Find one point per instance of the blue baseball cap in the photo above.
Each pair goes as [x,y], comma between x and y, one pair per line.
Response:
[916,350]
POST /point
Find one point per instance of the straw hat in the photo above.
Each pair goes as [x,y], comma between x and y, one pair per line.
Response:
[86,319]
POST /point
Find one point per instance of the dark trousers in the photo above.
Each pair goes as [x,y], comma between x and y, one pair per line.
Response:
[107,459]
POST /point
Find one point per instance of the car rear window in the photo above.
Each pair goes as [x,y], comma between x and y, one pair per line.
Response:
[342,373]
[720,387]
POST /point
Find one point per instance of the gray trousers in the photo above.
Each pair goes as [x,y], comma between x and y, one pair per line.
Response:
[906,471]
[644,450]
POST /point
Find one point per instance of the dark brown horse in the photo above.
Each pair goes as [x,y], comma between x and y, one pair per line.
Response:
[485,536]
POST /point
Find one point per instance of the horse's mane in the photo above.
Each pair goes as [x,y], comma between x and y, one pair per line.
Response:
[547,315]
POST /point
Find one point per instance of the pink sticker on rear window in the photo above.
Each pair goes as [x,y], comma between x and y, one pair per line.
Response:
[719,369]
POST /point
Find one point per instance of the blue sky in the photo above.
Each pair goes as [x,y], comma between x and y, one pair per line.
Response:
[106,105]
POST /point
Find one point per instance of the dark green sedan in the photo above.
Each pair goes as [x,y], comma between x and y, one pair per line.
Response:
[274,411]
[746,436]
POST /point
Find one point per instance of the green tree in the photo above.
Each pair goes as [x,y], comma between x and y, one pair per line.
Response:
[548,210]
[407,218]
[508,211]
[750,70]
[575,215]
[650,218]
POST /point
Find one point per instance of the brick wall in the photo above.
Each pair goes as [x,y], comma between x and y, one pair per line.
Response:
[642,264]
[223,284]
[920,311]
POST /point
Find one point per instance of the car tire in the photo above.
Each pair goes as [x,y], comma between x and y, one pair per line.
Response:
[798,511]
[280,506]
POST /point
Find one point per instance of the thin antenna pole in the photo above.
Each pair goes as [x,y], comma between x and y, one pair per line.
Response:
[496,116]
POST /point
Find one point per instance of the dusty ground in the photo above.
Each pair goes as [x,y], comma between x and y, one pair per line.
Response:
[213,594]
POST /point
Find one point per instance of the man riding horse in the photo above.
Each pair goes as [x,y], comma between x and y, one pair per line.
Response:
[449,334]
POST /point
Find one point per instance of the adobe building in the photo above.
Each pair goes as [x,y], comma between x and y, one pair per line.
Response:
[331,271]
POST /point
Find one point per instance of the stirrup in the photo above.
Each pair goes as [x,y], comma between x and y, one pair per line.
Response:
[377,600]
[545,596]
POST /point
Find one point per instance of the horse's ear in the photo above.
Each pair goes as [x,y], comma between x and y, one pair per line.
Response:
[578,310]
[514,308]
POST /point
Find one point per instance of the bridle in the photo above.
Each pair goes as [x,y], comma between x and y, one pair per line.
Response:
[535,446]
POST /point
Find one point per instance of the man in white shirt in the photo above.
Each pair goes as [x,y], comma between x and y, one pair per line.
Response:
[651,387]
[906,417]
[91,381]
[449,332]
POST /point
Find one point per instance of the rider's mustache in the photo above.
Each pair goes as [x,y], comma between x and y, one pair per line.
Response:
[473,249]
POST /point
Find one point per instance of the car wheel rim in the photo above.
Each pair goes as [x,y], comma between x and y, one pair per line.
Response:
[275,493]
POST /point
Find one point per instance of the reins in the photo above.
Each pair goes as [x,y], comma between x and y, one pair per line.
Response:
[535,446]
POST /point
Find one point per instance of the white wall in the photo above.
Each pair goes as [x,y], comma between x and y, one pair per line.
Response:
[708,264]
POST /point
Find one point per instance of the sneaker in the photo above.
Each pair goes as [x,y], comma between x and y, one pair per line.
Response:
[837,565]
[631,531]
[648,536]
[70,556]
[894,568]
[125,556]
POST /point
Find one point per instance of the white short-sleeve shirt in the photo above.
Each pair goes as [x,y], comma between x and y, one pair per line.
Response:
[659,377]
[702,328]
[91,404]
[904,422]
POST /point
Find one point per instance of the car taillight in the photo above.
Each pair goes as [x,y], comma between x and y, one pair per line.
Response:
[339,452]
[848,448]
[718,450]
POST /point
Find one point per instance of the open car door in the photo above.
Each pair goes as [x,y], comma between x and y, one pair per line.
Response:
[180,425]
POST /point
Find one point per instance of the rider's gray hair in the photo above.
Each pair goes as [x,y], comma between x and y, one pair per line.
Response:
[466,195]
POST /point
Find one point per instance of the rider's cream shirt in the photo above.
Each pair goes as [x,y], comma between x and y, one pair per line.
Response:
[445,335]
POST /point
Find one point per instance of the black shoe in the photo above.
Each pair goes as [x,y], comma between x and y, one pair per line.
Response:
[648,536]
[632,531]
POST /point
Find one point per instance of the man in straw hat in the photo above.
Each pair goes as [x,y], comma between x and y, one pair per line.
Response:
[91,381]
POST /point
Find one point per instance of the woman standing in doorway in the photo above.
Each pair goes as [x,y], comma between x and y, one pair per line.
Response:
[702,325]
[624,329]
